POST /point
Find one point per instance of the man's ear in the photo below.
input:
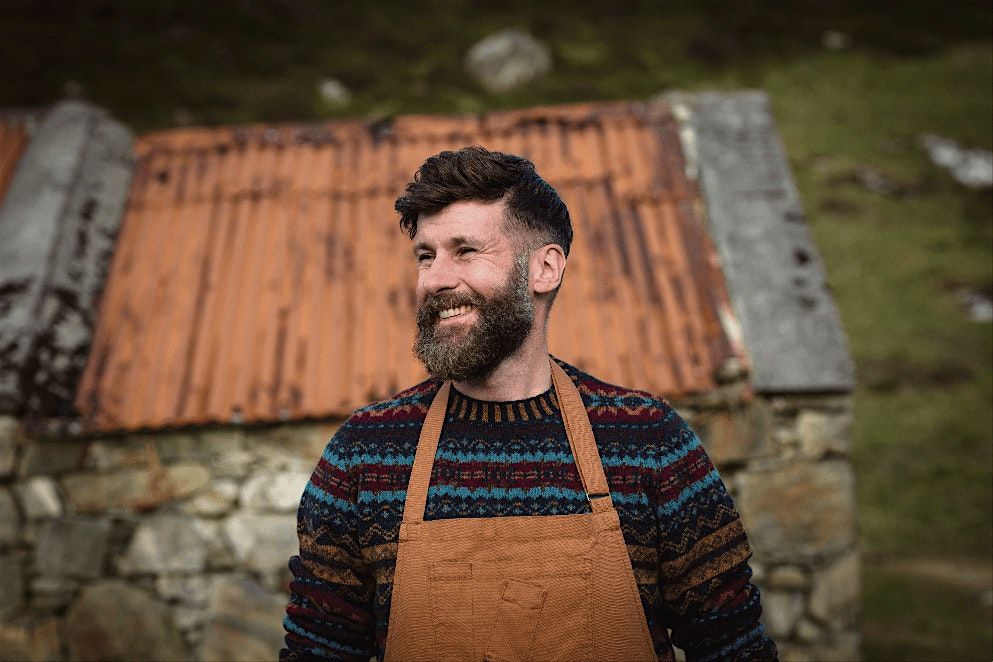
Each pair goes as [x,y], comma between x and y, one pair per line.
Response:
[547,267]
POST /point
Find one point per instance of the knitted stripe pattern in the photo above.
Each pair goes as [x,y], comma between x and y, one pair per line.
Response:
[684,537]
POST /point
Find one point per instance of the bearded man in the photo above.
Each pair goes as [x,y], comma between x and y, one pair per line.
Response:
[512,507]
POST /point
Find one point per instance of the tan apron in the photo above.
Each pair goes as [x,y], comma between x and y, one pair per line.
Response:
[541,588]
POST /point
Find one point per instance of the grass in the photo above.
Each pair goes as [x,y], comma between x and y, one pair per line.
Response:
[923,447]
[909,619]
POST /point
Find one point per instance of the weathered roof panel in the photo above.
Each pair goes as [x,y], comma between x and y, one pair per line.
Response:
[260,274]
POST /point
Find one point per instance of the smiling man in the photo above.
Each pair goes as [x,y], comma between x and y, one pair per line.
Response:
[512,507]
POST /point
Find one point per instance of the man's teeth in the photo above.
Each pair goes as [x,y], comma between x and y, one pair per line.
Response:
[452,312]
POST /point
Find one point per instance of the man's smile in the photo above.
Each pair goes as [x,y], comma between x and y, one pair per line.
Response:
[457,311]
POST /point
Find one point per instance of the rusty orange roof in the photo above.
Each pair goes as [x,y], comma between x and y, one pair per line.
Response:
[13,140]
[260,273]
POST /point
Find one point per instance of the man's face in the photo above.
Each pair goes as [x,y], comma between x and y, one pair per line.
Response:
[473,293]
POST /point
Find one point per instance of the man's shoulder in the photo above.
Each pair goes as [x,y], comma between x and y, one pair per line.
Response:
[606,402]
[408,405]
[375,429]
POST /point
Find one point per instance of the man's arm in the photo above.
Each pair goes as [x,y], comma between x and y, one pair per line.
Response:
[330,615]
[708,599]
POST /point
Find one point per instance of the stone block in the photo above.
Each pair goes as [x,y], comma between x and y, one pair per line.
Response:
[245,622]
[72,547]
[53,593]
[222,450]
[798,511]
[52,456]
[808,632]
[133,489]
[822,433]
[11,585]
[303,442]
[262,542]
[274,492]
[792,404]
[122,453]
[189,618]
[213,500]
[164,544]
[8,446]
[220,556]
[32,636]
[114,621]
[788,577]
[39,498]
[189,590]
[834,595]
[732,436]
[780,612]
[10,519]
[273,458]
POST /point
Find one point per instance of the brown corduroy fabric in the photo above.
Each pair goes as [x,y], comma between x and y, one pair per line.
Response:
[537,588]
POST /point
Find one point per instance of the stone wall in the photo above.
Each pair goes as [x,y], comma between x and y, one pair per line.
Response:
[174,545]
[785,460]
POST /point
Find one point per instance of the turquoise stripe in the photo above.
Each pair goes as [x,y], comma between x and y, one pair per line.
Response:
[476,493]
[505,493]
[482,493]
[347,462]
[638,499]
[700,485]
[367,496]
[327,498]
[504,457]
[333,645]
[757,631]
[390,459]
[385,459]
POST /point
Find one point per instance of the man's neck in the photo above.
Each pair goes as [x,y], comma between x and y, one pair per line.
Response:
[524,374]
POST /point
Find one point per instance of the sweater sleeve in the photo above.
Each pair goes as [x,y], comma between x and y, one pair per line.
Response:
[708,600]
[329,615]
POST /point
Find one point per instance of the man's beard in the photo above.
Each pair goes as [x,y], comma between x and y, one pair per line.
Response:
[503,321]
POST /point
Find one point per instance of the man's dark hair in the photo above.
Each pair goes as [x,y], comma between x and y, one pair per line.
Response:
[475,173]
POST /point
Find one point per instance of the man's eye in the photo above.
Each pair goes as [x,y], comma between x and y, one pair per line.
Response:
[466,250]
[423,257]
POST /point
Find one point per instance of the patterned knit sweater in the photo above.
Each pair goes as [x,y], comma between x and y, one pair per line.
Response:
[687,546]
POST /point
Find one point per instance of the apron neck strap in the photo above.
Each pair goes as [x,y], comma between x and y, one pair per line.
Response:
[577,430]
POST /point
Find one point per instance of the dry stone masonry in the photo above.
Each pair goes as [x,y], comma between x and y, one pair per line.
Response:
[183,537]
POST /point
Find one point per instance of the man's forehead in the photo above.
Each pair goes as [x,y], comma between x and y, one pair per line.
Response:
[465,220]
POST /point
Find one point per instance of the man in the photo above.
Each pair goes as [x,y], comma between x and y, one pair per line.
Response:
[512,507]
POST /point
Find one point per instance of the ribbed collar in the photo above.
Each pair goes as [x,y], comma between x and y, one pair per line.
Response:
[462,407]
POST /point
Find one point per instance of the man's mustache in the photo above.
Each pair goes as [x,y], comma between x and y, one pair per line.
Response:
[434,304]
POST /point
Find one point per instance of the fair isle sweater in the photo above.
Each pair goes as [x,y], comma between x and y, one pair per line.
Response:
[684,537]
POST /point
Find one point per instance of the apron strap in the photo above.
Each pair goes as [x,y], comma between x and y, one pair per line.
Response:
[427,448]
[577,430]
[580,434]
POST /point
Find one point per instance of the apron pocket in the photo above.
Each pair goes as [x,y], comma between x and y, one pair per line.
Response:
[451,610]
[516,621]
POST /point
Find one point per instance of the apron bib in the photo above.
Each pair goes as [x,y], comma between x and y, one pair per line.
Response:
[538,588]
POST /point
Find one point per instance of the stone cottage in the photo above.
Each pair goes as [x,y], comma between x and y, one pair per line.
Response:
[187,316]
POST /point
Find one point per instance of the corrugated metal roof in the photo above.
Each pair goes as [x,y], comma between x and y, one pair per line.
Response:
[13,141]
[260,273]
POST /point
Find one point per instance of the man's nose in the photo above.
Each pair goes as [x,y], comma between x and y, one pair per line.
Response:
[438,276]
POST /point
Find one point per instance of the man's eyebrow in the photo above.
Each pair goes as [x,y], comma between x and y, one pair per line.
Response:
[460,240]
